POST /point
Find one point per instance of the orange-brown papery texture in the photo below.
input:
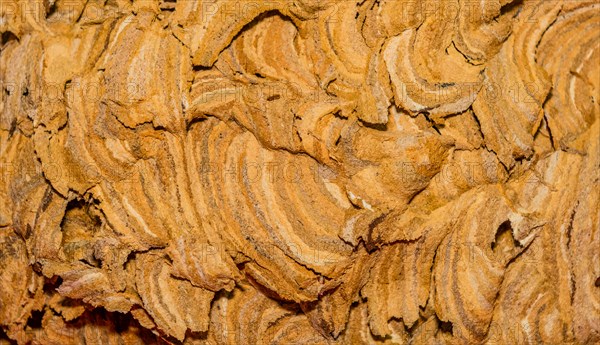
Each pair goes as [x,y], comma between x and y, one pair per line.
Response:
[299,172]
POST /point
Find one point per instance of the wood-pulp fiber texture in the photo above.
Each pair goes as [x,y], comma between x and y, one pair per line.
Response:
[299,172]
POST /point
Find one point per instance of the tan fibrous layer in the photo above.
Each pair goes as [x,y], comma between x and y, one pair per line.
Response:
[300,172]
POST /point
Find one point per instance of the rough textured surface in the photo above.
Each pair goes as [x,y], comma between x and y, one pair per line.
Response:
[299,172]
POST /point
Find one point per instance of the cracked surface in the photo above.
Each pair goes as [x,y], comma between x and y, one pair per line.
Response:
[299,172]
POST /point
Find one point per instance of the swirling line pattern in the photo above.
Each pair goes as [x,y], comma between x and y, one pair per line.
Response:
[286,172]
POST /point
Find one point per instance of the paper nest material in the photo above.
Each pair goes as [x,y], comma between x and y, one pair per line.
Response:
[299,172]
